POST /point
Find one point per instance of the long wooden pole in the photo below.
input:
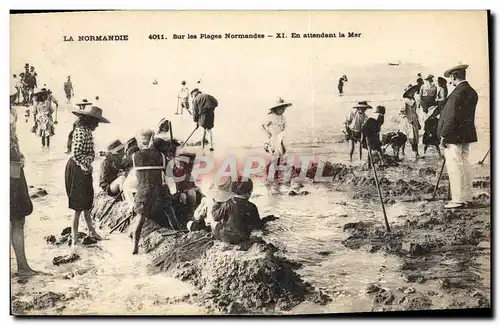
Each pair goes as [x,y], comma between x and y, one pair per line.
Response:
[189,137]
[482,161]
[111,205]
[439,178]
[378,188]
[121,223]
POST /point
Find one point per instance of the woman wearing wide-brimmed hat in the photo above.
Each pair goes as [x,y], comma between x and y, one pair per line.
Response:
[78,174]
[354,122]
[275,128]
[410,109]
[42,111]
[84,103]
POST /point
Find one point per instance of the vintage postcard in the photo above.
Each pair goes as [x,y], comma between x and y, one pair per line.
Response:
[249,162]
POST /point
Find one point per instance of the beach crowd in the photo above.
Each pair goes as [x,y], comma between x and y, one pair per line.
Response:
[137,171]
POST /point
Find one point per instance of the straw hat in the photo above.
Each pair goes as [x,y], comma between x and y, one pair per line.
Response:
[280,103]
[459,67]
[115,146]
[220,189]
[362,104]
[430,77]
[92,111]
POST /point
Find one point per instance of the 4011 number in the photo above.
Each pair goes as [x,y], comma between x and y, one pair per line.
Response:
[156,36]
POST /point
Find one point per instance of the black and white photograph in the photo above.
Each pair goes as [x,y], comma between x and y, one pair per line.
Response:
[256,163]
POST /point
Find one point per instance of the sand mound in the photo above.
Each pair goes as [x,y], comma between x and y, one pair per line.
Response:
[235,279]
[435,245]
[250,278]
[360,181]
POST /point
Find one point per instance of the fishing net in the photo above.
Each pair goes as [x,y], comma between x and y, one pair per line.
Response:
[186,248]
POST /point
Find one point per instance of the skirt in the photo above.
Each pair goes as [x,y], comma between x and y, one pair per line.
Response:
[147,199]
[206,120]
[20,202]
[45,127]
[79,187]
[373,142]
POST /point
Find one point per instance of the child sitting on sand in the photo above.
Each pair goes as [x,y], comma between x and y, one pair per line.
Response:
[219,191]
[242,190]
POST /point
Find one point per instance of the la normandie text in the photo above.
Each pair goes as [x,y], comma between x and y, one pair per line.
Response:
[96,38]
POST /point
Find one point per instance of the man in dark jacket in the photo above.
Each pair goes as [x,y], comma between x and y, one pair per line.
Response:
[203,113]
[457,130]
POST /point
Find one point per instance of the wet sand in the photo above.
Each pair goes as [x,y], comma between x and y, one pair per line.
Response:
[432,259]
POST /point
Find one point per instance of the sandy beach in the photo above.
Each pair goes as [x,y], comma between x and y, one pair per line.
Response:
[310,232]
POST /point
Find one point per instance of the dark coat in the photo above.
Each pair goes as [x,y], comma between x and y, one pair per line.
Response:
[456,123]
[109,172]
[203,110]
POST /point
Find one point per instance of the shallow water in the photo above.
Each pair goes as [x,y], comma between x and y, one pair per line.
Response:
[117,282]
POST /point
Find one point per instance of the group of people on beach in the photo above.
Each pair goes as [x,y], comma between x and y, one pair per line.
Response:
[448,120]
[137,170]
[430,99]
[423,103]
[25,84]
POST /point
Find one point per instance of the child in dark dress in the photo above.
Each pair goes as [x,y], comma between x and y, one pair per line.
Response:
[149,165]
[371,133]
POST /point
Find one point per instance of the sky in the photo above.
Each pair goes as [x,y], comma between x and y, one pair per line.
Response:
[434,37]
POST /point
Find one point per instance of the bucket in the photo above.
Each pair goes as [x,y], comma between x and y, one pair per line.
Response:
[15,169]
